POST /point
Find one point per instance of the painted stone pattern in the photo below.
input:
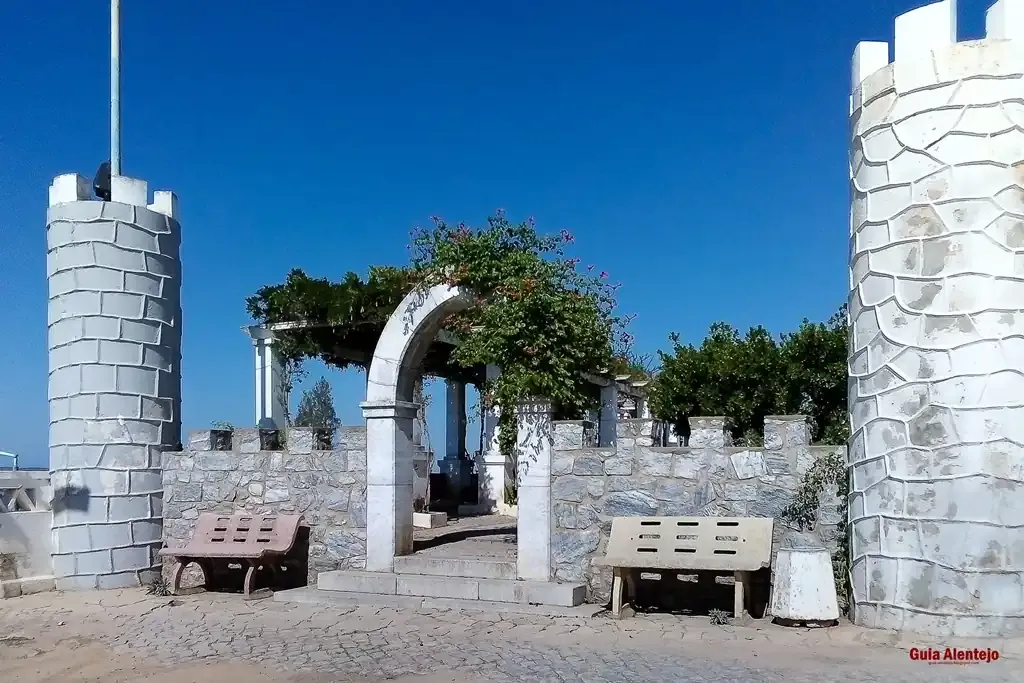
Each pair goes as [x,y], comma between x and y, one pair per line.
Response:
[937,342]
[710,478]
[327,487]
[114,339]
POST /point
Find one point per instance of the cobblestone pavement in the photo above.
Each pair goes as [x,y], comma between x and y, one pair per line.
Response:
[316,644]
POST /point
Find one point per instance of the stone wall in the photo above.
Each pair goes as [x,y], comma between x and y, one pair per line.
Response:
[710,478]
[328,487]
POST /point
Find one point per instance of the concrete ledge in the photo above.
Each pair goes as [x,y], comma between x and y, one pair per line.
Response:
[13,588]
[429,520]
[357,582]
[311,596]
[454,566]
[551,593]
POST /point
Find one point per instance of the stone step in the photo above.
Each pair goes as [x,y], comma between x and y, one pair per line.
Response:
[454,587]
[473,568]
[355,581]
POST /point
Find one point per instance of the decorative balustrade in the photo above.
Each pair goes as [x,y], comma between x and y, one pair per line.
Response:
[24,491]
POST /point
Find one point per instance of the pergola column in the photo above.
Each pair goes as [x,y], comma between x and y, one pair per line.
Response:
[491,465]
[455,420]
[609,415]
[271,396]
[456,465]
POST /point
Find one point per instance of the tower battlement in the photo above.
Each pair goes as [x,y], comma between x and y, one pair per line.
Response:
[72,187]
[927,50]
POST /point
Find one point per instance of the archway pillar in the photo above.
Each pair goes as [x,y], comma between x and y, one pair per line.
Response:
[389,481]
[534,525]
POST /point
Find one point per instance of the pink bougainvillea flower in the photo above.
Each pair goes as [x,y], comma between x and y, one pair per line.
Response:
[604,274]
[567,236]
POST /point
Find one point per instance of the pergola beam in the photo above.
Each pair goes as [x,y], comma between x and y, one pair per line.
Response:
[621,382]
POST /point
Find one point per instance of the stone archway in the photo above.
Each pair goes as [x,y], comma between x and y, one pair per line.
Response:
[389,411]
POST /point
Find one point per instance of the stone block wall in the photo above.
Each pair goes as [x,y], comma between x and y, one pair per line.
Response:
[709,478]
[114,339]
[328,487]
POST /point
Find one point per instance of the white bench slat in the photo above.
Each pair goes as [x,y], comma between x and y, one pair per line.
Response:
[696,543]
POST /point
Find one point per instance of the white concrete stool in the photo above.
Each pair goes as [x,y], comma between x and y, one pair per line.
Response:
[804,590]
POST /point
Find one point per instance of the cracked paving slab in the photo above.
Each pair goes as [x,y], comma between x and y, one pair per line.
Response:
[206,638]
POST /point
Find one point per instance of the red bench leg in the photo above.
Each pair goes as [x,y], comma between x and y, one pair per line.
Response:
[247,586]
[179,569]
[250,580]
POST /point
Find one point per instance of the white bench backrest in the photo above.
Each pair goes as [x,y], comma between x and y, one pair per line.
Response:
[700,543]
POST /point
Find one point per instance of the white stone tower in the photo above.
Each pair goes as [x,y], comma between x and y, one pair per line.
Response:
[114,278]
[937,326]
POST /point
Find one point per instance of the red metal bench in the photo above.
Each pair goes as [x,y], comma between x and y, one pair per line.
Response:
[261,541]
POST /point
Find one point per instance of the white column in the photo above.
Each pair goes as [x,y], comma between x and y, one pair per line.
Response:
[455,420]
[643,408]
[534,474]
[421,416]
[609,415]
[389,482]
[271,399]
[491,465]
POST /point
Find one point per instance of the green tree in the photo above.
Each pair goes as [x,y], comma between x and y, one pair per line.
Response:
[316,408]
[816,376]
[746,377]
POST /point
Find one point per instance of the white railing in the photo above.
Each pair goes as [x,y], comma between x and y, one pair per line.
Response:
[25,521]
[24,491]
[12,459]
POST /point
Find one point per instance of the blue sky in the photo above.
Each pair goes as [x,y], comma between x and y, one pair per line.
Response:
[697,150]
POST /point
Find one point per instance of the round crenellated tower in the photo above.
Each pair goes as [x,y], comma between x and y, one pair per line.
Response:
[937,327]
[114,276]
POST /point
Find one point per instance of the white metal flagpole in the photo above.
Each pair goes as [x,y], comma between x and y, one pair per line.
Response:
[115,87]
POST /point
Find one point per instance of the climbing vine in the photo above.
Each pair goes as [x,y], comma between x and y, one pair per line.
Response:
[340,322]
[540,318]
[828,474]
[543,319]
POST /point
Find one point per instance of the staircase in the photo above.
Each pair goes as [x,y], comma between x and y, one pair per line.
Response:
[457,578]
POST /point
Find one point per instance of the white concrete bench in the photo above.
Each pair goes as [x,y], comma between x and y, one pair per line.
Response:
[741,545]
